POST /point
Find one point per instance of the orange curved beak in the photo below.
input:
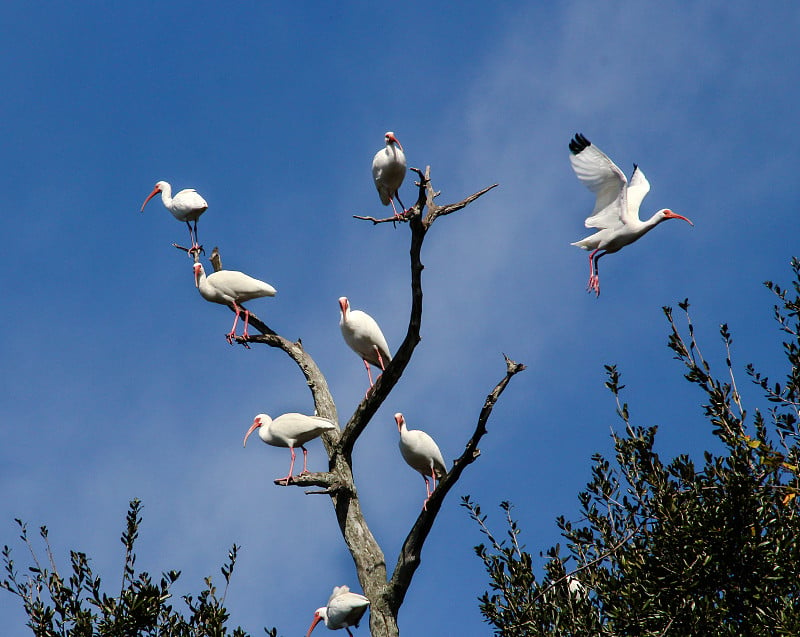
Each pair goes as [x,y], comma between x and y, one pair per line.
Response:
[395,140]
[317,619]
[672,215]
[156,190]
[253,427]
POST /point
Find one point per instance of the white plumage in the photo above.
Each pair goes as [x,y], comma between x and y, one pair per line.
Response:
[230,287]
[389,170]
[290,430]
[186,206]
[344,609]
[362,334]
[616,207]
[421,453]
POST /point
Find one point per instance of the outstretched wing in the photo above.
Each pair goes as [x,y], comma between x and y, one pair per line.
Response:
[602,176]
[637,191]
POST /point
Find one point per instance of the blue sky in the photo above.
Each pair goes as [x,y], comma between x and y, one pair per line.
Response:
[119,383]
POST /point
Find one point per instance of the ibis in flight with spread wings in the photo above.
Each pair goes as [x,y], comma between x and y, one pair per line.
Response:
[616,207]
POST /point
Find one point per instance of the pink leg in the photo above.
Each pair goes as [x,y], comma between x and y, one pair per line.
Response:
[427,494]
[245,334]
[369,373]
[305,460]
[288,478]
[380,359]
[232,334]
[402,205]
[594,277]
[192,237]
[597,271]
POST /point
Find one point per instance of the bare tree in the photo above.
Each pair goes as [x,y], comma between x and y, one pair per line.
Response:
[385,591]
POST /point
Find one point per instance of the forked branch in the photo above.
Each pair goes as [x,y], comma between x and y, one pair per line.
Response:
[409,559]
[338,482]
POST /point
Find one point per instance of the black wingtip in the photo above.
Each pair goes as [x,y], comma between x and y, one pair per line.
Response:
[579,143]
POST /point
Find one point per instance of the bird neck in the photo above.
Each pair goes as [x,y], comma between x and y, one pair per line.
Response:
[202,283]
[646,226]
[166,196]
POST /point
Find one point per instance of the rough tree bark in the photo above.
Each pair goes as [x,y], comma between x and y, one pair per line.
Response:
[386,593]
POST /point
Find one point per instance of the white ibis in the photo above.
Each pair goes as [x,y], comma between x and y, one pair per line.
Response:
[616,209]
[186,206]
[290,430]
[421,453]
[229,287]
[389,170]
[364,337]
[344,609]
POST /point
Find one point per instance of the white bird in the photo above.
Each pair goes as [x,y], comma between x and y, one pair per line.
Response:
[362,334]
[616,209]
[290,430]
[422,454]
[229,287]
[186,206]
[344,609]
[389,170]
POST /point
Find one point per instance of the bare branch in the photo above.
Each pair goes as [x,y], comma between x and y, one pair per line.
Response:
[404,217]
[338,482]
[192,253]
[386,382]
[426,199]
[435,211]
[216,259]
[323,479]
[410,555]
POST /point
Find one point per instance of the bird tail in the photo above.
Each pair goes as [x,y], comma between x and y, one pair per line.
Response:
[581,244]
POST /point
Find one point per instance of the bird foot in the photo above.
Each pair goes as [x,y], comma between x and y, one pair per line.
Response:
[594,284]
[284,481]
[242,340]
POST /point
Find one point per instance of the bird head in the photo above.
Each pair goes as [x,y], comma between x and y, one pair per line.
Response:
[398,418]
[259,420]
[391,139]
[158,188]
[319,615]
[668,214]
[198,272]
[344,305]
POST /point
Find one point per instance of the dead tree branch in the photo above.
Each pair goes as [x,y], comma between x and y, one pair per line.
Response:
[337,482]
[410,556]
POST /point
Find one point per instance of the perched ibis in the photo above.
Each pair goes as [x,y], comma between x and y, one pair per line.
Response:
[389,170]
[231,288]
[344,609]
[422,454]
[290,430]
[362,334]
[186,206]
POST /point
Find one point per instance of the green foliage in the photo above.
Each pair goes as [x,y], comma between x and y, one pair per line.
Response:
[78,607]
[674,548]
